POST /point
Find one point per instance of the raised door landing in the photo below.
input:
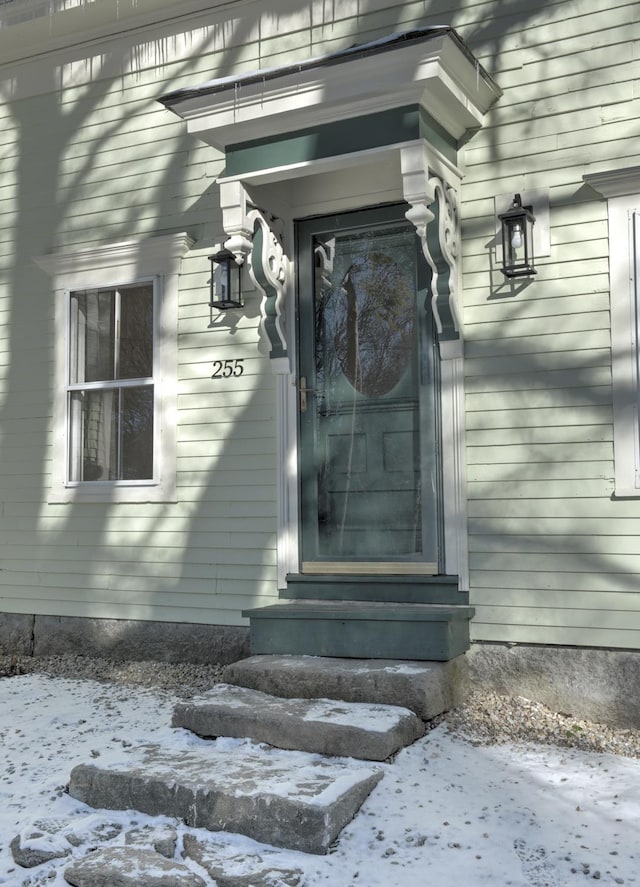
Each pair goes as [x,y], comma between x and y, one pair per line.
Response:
[365,617]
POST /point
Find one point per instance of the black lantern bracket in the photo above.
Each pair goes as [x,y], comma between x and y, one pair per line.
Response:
[225,283]
[523,233]
[517,223]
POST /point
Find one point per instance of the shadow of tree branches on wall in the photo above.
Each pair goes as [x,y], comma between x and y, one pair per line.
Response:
[71,150]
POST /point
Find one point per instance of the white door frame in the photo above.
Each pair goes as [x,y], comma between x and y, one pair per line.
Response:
[429,184]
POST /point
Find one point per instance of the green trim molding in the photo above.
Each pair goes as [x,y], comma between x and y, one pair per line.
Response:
[383,129]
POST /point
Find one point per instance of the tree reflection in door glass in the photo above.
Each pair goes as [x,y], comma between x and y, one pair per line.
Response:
[366,394]
[365,309]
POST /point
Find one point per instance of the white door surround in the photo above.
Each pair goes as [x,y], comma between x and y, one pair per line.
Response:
[311,158]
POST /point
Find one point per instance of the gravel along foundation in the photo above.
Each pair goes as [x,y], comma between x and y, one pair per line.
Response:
[486,718]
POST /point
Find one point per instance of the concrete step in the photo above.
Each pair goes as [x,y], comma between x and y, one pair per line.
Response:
[369,731]
[410,589]
[361,629]
[287,799]
[426,688]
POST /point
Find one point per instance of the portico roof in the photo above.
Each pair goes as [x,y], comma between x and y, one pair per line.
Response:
[432,68]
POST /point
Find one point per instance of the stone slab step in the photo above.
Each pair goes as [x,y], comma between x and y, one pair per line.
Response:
[129,867]
[426,688]
[136,867]
[287,799]
[228,866]
[369,731]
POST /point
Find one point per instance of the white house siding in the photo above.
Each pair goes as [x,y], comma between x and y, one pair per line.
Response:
[553,559]
[101,161]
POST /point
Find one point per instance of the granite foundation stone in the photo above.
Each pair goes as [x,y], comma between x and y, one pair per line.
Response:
[16,634]
[139,640]
[596,684]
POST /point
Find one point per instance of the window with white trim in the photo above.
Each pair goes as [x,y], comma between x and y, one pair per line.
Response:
[622,190]
[114,426]
[110,391]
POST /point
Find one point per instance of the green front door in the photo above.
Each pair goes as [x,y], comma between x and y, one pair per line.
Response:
[370,483]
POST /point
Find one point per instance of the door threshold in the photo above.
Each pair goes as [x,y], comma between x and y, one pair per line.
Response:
[368,568]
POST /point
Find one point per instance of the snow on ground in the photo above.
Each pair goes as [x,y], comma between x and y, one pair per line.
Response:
[446,813]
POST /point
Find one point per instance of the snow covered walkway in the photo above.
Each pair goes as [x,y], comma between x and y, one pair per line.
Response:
[446,812]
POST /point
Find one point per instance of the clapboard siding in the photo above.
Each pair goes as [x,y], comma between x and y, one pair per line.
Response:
[577,287]
[481,472]
[532,599]
[564,583]
[522,328]
[93,606]
[540,390]
[123,168]
[552,556]
[549,488]
[553,562]
[595,339]
[534,434]
[549,634]
[488,365]
[529,452]
[576,544]
[602,509]
[549,384]
[531,407]
[556,617]
[125,560]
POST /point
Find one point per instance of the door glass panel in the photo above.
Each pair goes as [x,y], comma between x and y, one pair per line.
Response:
[368,316]
[362,399]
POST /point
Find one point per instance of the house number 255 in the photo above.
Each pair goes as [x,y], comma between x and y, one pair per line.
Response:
[223,369]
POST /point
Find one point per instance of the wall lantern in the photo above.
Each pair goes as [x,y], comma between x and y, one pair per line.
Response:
[517,240]
[225,284]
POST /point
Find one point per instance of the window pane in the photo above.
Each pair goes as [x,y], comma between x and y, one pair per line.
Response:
[92,435]
[112,334]
[136,433]
[136,332]
[93,328]
[111,434]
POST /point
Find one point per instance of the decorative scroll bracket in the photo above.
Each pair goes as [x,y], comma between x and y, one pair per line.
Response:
[269,266]
[434,213]
[435,216]
[252,239]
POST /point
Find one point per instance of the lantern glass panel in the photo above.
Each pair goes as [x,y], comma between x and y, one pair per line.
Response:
[226,278]
[517,242]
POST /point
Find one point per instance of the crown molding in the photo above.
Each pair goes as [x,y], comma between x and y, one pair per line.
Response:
[432,68]
[144,257]
[615,183]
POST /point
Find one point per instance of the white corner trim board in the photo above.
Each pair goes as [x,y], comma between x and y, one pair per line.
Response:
[621,187]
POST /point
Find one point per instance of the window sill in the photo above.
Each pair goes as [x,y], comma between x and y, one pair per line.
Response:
[113,493]
[626,493]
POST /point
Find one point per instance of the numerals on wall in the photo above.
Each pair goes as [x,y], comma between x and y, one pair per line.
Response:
[223,369]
